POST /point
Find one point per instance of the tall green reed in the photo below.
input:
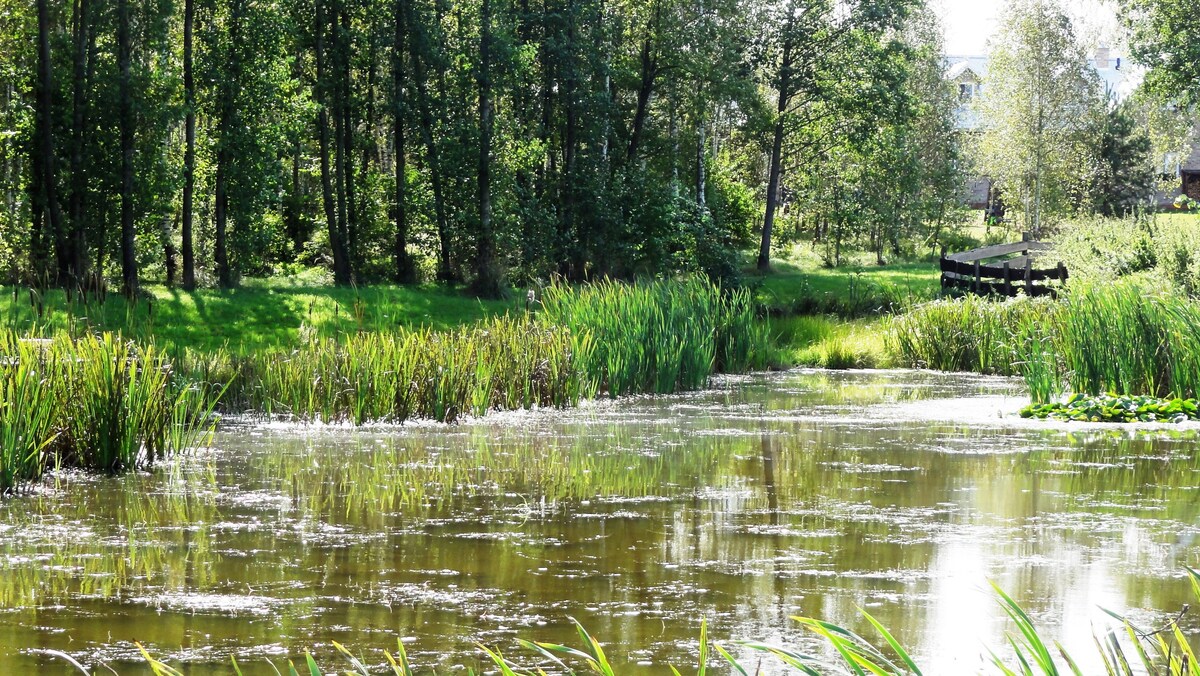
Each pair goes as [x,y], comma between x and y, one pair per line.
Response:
[660,336]
[1121,338]
[502,363]
[96,402]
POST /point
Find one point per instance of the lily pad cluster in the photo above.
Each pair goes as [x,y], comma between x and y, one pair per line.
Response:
[1114,408]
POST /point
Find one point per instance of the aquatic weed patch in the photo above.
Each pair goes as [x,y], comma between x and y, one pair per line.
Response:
[1118,409]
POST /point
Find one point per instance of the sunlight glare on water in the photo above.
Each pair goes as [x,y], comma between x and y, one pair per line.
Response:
[768,496]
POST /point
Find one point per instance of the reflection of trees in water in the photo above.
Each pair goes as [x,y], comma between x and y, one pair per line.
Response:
[633,515]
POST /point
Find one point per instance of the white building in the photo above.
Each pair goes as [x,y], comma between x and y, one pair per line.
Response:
[1119,79]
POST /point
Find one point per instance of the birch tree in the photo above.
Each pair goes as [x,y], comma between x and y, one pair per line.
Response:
[1040,97]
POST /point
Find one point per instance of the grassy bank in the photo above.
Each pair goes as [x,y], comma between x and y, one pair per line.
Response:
[260,315]
[848,292]
[828,342]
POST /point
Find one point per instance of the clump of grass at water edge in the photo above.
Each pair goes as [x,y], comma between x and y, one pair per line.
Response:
[1121,339]
[96,402]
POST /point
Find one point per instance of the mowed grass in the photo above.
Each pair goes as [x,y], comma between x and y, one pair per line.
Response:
[248,318]
[848,291]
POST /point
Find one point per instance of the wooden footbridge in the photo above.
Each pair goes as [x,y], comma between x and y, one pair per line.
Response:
[1004,270]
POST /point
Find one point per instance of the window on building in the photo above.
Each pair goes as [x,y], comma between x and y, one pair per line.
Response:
[965,91]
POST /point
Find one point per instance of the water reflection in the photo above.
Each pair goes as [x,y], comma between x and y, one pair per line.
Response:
[775,495]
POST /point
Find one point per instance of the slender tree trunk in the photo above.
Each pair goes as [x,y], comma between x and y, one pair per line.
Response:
[168,242]
[487,269]
[549,76]
[294,216]
[776,169]
[405,272]
[221,216]
[701,168]
[78,244]
[420,76]
[764,249]
[48,227]
[226,125]
[649,62]
[347,129]
[189,152]
[340,136]
[341,267]
[569,231]
[129,271]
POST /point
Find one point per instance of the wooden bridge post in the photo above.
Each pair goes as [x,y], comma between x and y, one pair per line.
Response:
[976,277]
[1007,280]
[1029,278]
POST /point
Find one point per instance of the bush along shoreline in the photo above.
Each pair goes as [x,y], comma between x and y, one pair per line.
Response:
[99,402]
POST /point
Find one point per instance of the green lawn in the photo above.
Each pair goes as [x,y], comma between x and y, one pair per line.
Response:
[250,317]
[849,290]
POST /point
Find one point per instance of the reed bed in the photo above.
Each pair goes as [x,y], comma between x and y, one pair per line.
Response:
[970,334]
[611,337]
[497,364]
[99,402]
[96,402]
[1121,338]
[662,336]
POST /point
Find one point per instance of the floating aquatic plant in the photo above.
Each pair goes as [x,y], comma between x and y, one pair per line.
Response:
[1113,408]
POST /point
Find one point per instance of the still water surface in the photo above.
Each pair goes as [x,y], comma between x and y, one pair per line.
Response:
[769,496]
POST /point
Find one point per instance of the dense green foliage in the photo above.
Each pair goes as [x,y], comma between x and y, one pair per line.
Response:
[1118,174]
[1038,121]
[1165,249]
[201,141]
[1164,37]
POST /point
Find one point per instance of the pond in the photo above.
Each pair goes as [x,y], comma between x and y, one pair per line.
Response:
[773,495]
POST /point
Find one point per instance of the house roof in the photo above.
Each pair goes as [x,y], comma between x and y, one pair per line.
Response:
[959,69]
